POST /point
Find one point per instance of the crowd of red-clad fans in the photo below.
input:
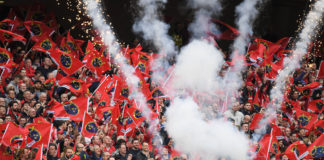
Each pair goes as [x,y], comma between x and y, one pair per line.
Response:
[63,98]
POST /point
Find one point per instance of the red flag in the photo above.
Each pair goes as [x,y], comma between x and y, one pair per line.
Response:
[41,120]
[39,154]
[96,62]
[5,56]
[255,121]
[60,74]
[3,129]
[135,114]
[38,134]
[90,48]
[38,29]
[283,42]
[256,53]
[320,74]
[271,69]
[228,32]
[66,62]
[10,36]
[104,101]
[72,110]
[271,48]
[44,44]
[307,89]
[73,84]
[305,119]
[295,150]
[262,150]
[107,113]
[89,126]
[316,149]
[316,106]
[319,126]
[13,134]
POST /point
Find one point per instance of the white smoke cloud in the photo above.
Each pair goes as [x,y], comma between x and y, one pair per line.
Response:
[204,11]
[127,70]
[153,29]
[209,140]
[197,67]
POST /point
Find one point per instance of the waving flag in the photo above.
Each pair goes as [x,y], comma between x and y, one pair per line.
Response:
[319,126]
[255,121]
[96,62]
[308,89]
[5,56]
[227,32]
[89,126]
[305,119]
[72,110]
[7,36]
[73,84]
[38,134]
[45,44]
[104,101]
[316,149]
[38,29]
[135,114]
[316,106]
[13,135]
[295,150]
[66,62]
[262,149]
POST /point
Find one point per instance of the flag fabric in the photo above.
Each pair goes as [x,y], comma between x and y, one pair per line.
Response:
[316,106]
[39,154]
[305,119]
[255,121]
[90,48]
[256,53]
[38,134]
[72,84]
[3,129]
[107,113]
[228,32]
[319,126]
[320,74]
[40,120]
[283,42]
[96,62]
[7,36]
[136,115]
[13,135]
[271,48]
[316,149]
[267,144]
[44,44]
[73,110]
[295,150]
[66,62]
[271,69]
[308,89]
[89,126]
[104,101]
[60,74]
[38,29]
[5,56]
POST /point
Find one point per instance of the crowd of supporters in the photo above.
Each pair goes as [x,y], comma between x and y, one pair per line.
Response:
[63,98]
